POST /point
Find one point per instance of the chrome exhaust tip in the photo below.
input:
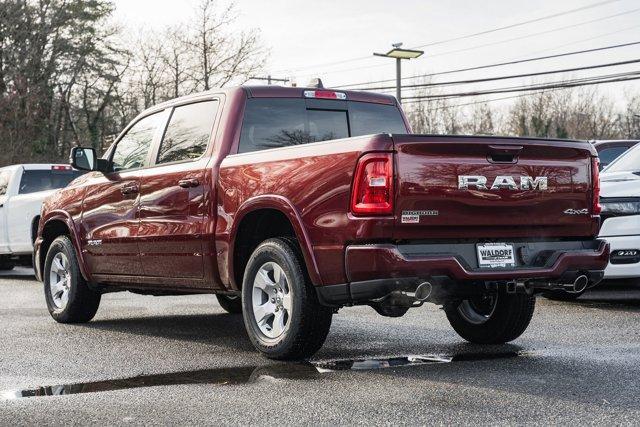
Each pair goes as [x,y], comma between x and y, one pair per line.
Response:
[580,284]
[423,291]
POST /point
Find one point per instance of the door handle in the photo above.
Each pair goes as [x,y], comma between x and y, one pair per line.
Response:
[187,183]
[129,189]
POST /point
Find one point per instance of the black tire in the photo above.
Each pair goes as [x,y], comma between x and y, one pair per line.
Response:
[230,303]
[308,321]
[498,322]
[83,302]
[562,295]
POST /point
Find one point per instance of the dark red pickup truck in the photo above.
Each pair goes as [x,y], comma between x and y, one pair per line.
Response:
[290,203]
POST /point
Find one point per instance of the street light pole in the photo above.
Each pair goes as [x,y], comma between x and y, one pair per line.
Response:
[399,80]
[400,54]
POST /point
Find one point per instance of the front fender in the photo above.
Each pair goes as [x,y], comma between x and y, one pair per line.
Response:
[285,206]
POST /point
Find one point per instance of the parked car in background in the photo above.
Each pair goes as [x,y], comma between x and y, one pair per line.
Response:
[22,190]
[291,203]
[609,150]
[620,200]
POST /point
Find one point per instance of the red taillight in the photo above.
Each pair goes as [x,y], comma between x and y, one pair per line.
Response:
[61,168]
[595,180]
[372,192]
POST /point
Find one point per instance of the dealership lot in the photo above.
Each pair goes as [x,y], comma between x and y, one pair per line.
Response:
[183,360]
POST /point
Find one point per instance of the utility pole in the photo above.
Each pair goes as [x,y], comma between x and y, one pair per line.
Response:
[400,54]
[269,79]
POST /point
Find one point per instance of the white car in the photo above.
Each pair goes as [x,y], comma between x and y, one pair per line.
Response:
[620,200]
[22,190]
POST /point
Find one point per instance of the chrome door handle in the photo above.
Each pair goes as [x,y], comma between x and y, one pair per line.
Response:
[187,183]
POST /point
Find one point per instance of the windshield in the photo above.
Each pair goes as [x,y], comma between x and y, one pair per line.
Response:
[46,179]
[281,122]
[628,162]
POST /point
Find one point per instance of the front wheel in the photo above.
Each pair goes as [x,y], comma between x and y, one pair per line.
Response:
[69,299]
[282,315]
[491,318]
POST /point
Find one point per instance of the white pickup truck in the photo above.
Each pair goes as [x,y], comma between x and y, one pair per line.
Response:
[22,190]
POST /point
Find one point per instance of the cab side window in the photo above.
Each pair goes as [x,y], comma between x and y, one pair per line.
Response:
[132,150]
[188,132]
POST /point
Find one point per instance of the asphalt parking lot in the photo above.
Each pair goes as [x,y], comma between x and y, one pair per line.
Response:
[182,360]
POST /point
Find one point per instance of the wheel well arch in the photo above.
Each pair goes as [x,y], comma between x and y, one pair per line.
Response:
[252,230]
[51,230]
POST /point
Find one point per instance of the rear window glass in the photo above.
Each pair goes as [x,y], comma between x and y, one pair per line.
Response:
[188,132]
[608,155]
[273,123]
[629,162]
[41,180]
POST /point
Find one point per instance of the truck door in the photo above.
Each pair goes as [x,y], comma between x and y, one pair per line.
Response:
[110,210]
[173,195]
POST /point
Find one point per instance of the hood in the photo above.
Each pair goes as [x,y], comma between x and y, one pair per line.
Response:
[620,184]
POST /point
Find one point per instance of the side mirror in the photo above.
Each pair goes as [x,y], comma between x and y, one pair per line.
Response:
[83,158]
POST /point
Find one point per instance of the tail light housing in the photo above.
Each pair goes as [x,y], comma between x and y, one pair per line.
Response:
[595,182]
[372,192]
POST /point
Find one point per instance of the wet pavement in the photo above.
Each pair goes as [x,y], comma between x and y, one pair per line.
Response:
[182,360]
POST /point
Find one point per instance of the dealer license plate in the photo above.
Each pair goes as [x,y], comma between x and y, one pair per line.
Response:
[495,255]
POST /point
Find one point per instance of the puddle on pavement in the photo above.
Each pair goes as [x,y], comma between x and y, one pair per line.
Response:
[252,374]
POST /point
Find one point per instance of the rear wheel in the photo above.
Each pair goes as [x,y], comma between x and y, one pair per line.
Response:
[282,315]
[491,318]
[230,303]
[69,299]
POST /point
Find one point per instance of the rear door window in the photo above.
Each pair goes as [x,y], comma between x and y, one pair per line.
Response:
[608,155]
[132,150]
[33,181]
[629,162]
[188,132]
[282,122]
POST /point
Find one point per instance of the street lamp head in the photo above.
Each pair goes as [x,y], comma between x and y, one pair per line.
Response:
[398,53]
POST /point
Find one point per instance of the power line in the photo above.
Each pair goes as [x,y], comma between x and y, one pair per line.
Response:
[492,30]
[488,44]
[499,64]
[519,24]
[567,83]
[485,101]
[513,76]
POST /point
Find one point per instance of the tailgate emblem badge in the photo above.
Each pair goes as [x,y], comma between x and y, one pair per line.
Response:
[506,182]
[576,211]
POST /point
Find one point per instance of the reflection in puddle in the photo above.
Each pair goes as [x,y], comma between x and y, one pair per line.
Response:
[250,374]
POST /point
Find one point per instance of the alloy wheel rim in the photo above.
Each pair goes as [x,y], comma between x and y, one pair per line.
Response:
[271,300]
[60,281]
[479,309]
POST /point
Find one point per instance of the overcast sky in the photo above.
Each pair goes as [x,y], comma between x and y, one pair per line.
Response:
[306,35]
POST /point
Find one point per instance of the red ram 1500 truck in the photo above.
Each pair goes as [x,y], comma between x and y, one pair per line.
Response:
[290,203]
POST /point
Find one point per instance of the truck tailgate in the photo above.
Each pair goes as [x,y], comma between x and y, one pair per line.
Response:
[486,188]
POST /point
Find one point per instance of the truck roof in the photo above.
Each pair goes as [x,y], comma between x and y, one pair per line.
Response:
[274,91]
